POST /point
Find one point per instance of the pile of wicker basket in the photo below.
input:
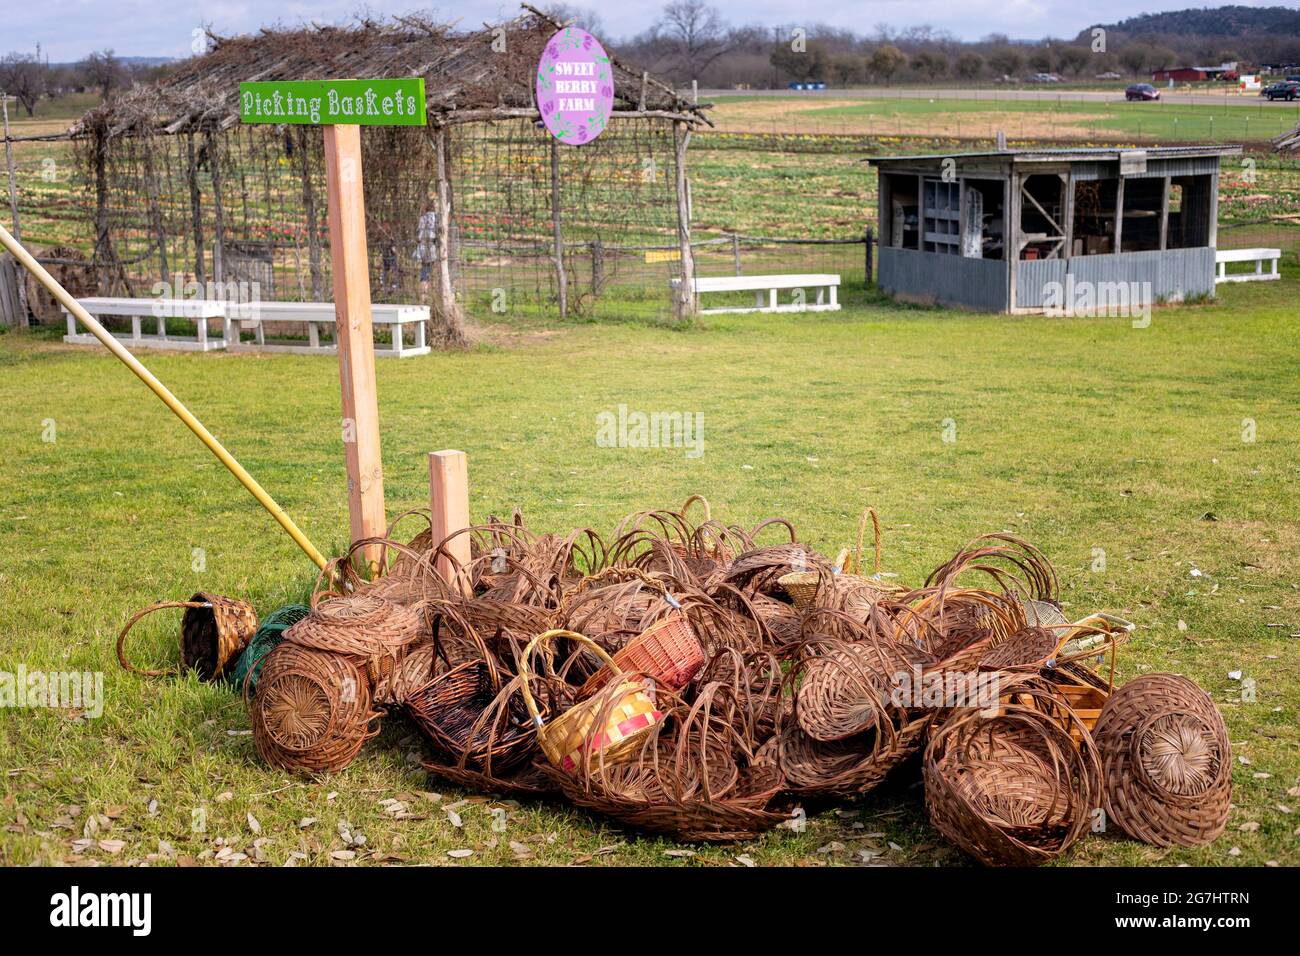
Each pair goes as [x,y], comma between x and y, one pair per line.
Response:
[702,680]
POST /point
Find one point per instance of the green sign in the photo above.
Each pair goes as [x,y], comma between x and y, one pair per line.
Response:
[334,102]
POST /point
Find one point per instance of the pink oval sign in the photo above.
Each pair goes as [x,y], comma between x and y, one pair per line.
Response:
[575,86]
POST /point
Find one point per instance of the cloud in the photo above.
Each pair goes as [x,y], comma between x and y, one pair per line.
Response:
[69,29]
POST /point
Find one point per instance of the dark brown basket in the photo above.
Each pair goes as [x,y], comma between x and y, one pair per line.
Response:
[1168,764]
[214,632]
[1013,788]
[312,710]
[472,719]
[526,781]
[851,767]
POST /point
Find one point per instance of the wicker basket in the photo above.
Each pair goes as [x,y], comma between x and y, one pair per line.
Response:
[214,632]
[850,767]
[844,689]
[804,586]
[700,776]
[667,651]
[372,631]
[468,716]
[1015,788]
[1168,765]
[606,728]
[312,711]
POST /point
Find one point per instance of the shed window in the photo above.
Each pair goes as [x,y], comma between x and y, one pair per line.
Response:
[903,212]
[942,217]
[1142,202]
[982,235]
[1190,208]
[1042,216]
[1094,216]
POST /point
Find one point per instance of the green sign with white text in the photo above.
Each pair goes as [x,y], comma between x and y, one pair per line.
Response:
[334,102]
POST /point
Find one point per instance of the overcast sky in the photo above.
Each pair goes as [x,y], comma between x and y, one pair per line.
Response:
[69,29]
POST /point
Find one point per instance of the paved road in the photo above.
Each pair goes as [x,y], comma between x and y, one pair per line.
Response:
[1045,95]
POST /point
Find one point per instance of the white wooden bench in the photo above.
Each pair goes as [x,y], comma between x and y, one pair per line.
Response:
[765,289]
[320,315]
[158,310]
[1258,256]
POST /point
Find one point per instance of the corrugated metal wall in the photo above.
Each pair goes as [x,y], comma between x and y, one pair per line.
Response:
[941,279]
[1179,166]
[1032,278]
[1173,274]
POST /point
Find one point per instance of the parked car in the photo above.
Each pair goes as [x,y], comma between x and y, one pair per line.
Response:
[1141,92]
[1045,78]
[1286,90]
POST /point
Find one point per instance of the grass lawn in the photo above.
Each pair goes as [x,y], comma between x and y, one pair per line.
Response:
[1079,434]
[1251,120]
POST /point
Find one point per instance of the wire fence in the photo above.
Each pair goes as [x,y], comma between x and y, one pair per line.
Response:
[813,195]
[601,277]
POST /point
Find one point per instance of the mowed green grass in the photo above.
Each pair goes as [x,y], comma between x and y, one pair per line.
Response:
[1242,119]
[1086,436]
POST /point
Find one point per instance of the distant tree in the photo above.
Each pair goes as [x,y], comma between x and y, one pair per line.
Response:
[1073,60]
[1136,58]
[969,66]
[589,20]
[1041,60]
[847,68]
[885,61]
[930,63]
[696,32]
[25,77]
[1162,58]
[810,63]
[1007,61]
[103,71]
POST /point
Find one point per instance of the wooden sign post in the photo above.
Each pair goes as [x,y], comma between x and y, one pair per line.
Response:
[354,335]
[342,107]
[449,511]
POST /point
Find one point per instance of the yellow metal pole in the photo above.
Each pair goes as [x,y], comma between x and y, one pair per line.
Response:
[161,390]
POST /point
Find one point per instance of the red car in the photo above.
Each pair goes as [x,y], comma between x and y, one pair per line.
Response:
[1141,91]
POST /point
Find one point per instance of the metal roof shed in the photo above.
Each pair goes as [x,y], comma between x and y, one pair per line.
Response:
[1008,230]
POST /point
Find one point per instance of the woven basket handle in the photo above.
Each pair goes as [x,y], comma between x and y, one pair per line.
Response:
[390,534]
[1112,630]
[703,502]
[616,573]
[545,638]
[862,532]
[121,638]
[771,522]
